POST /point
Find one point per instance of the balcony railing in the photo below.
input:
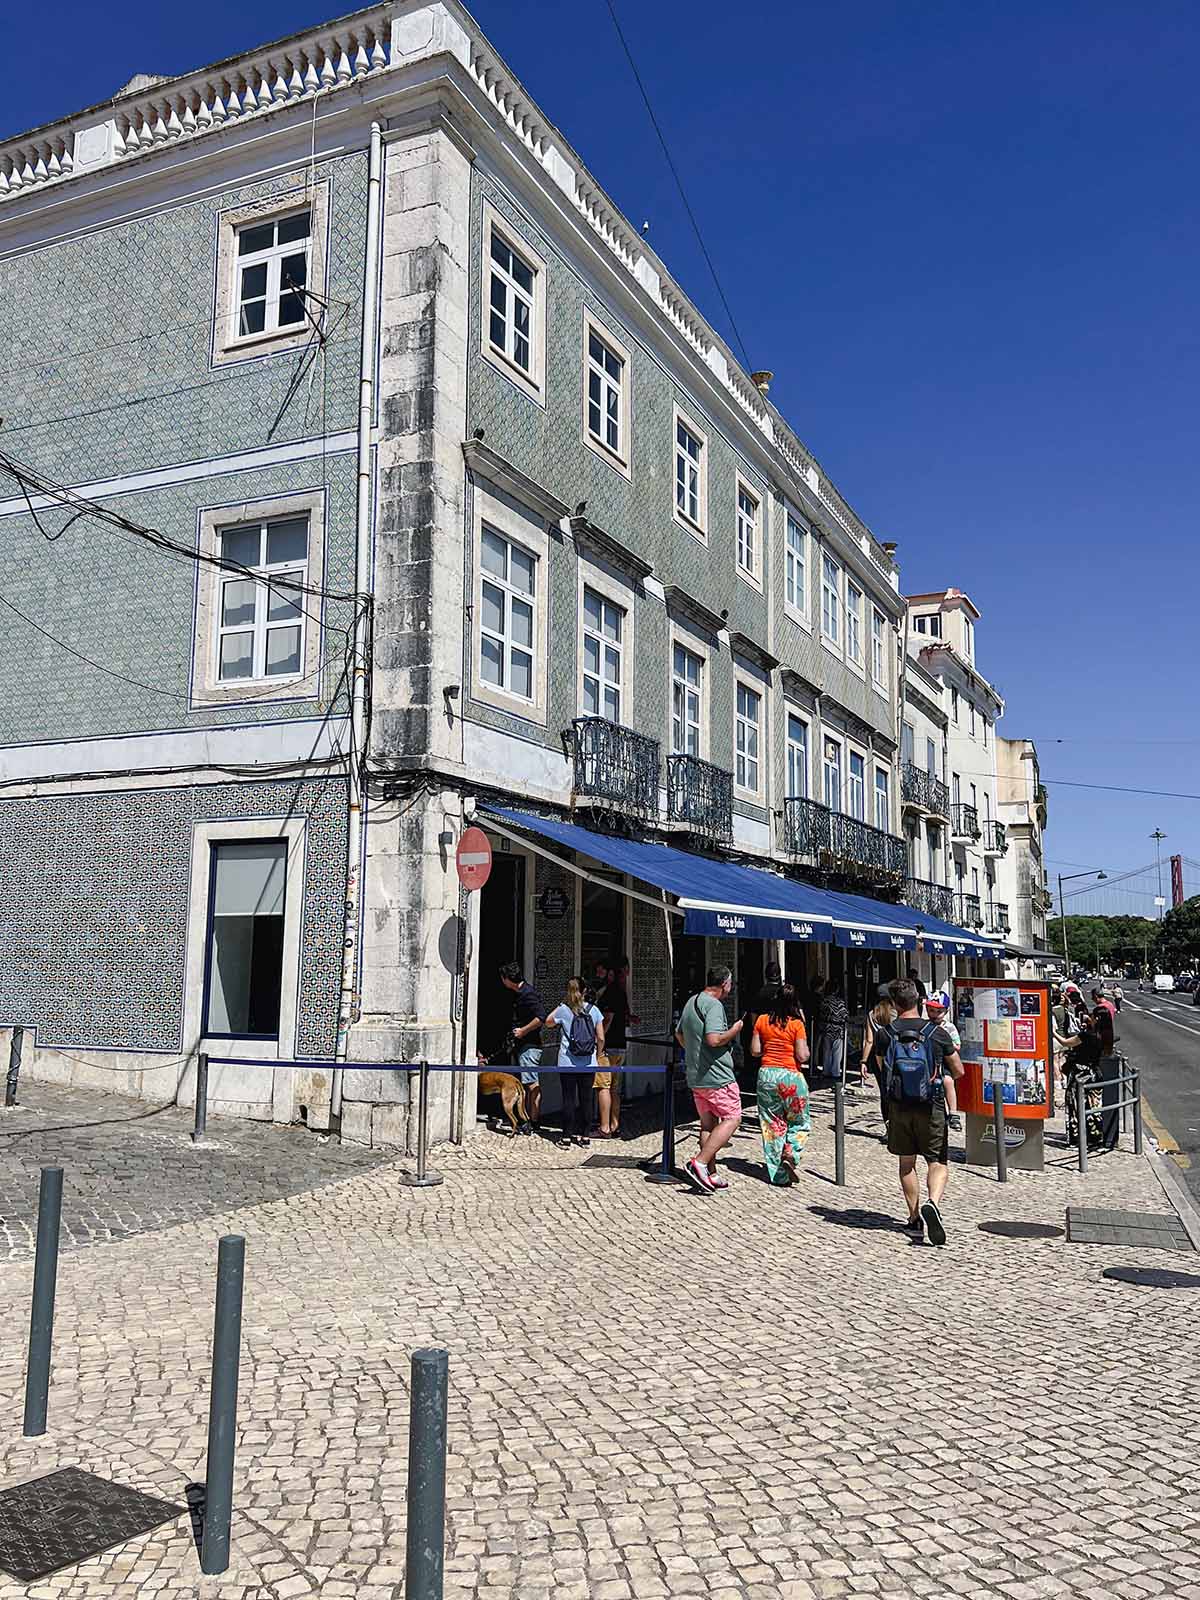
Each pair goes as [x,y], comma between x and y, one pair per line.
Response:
[840,843]
[935,899]
[997,917]
[968,911]
[923,789]
[615,765]
[995,839]
[964,822]
[700,795]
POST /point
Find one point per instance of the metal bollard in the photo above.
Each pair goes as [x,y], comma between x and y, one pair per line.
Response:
[422,1178]
[426,1537]
[222,1405]
[839,1134]
[1081,1124]
[998,1124]
[14,1066]
[41,1316]
[665,1171]
[201,1124]
[1136,1085]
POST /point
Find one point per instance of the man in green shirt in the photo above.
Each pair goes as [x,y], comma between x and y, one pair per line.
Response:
[705,1034]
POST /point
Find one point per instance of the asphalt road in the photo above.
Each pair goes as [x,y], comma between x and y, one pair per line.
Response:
[1161,1033]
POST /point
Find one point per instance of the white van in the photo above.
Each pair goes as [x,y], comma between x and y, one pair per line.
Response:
[1164,983]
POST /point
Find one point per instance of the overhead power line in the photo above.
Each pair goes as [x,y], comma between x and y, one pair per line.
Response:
[662,139]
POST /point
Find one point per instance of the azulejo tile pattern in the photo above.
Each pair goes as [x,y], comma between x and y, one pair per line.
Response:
[96,886]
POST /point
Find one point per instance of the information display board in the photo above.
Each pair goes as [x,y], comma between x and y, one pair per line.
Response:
[1007,1046]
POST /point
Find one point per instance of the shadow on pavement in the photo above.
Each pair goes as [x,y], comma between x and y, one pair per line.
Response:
[872,1221]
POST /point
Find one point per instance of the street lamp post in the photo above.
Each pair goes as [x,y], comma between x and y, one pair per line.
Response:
[1159,902]
[1062,912]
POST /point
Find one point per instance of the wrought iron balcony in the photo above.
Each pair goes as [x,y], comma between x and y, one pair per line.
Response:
[700,795]
[935,899]
[615,765]
[964,822]
[995,839]
[839,843]
[997,917]
[968,911]
[924,790]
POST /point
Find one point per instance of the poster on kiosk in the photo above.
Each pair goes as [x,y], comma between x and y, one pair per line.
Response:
[1007,1050]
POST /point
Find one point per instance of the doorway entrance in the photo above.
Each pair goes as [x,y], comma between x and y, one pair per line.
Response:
[501,939]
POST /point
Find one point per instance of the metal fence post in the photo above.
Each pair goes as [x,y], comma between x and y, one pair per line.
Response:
[1136,1086]
[222,1404]
[1081,1123]
[426,1535]
[665,1171]
[41,1316]
[839,1133]
[201,1123]
[422,1178]
[998,1124]
[14,1066]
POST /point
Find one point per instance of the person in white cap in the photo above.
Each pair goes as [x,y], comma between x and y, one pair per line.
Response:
[937,1009]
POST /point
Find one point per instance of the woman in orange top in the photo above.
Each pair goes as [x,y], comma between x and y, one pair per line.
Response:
[781,1043]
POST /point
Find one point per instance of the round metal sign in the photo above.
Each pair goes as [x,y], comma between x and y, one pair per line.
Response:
[473,859]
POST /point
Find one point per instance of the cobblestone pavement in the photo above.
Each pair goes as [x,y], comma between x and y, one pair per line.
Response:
[767,1395]
[131,1167]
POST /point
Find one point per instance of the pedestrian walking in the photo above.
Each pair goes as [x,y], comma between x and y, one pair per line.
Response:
[614,1003]
[780,1044]
[705,1035]
[580,1025]
[883,1012]
[528,1017]
[913,1055]
[937,1009]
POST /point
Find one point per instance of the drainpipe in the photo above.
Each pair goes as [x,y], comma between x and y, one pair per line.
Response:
[348,1000]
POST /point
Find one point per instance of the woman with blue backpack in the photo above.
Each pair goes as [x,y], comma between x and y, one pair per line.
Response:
[580,1038]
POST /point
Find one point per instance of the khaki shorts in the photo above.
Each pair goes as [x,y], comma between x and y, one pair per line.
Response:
[918,1131]
[604,1080]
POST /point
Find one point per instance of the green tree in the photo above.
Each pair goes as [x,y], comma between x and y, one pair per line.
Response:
[1177,944]
[1111,941]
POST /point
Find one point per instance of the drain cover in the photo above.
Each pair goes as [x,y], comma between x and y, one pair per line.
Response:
[1153,1277]
[61,1520]
[613,1161]
[1022,1230]
[1151,1230]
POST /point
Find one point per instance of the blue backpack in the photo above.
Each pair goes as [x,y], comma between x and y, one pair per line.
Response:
[911,1073]
[581,1037]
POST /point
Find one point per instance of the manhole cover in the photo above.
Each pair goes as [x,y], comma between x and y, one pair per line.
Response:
[1148,1230]
[1022,1230]
[613,1161]
[61,1520]
[1153,1277]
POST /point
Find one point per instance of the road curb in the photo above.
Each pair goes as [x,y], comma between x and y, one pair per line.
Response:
[1176,1191]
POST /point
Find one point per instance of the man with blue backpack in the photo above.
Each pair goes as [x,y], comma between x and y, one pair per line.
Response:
[913,1055]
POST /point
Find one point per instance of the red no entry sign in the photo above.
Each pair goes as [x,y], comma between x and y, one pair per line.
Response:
[473,859]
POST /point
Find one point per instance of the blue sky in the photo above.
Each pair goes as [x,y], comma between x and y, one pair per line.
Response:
[964,237]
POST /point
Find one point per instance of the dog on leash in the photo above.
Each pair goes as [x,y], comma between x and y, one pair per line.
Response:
[511,1092]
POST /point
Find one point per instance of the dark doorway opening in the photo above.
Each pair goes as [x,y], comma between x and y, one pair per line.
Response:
[501,939]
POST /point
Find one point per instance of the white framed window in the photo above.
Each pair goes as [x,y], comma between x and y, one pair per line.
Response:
[878,648]
[856,786]
[929,623]
[687,701]
[854,610]
[507,616]
[797,757]
[260,619]
[831,774]
[602,640]
[931,759]
[795,565]
[749,533]
[747,737]
[883,802]
[955,790]
[831,600]
[975,882]
[971,707]
[691,475]
[907,743]
[606,369]
[969,638]
[513,314]
[244,944]
[974,800]
[270,275]
[954,705]
[983,721]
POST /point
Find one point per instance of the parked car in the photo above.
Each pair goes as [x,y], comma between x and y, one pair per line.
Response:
[1164,983]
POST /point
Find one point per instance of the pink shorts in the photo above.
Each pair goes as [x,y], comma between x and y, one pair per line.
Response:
[724,1103]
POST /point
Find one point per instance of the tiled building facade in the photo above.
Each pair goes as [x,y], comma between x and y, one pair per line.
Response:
[461,499]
